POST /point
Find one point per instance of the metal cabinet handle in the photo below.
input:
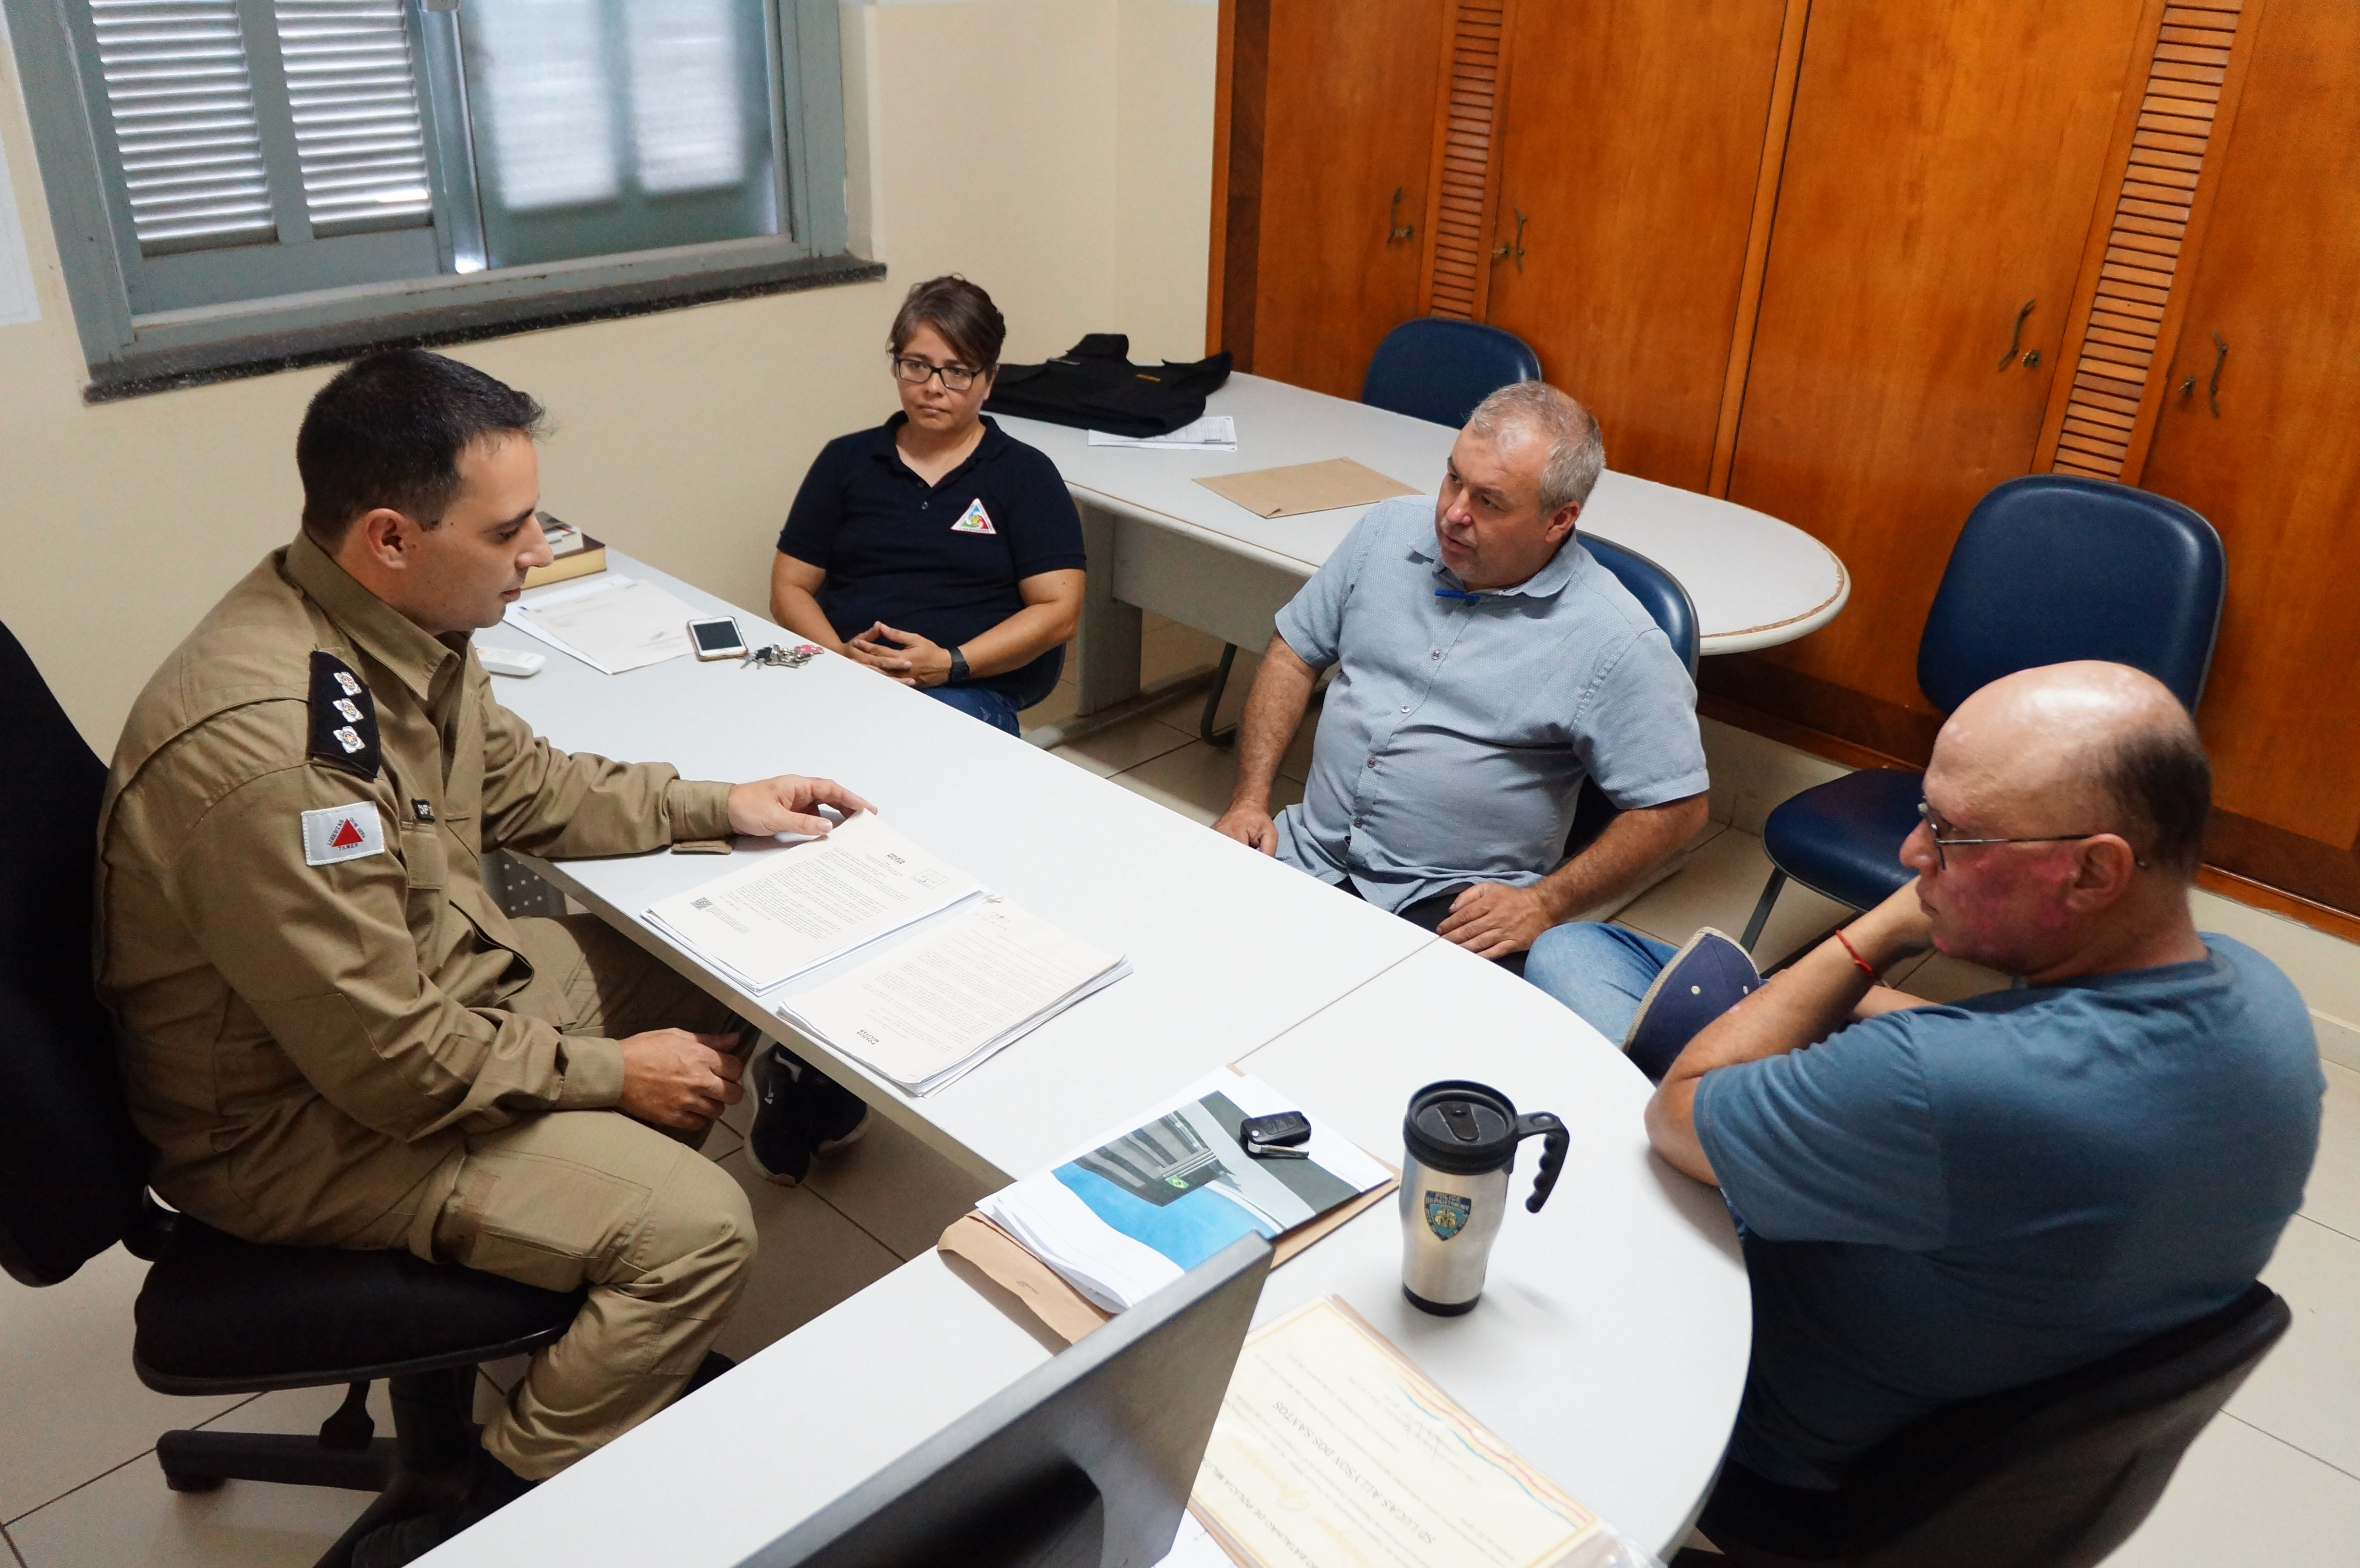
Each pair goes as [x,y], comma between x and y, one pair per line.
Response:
[1394,228]
[2015,338]
[1517,249]
[2213,391]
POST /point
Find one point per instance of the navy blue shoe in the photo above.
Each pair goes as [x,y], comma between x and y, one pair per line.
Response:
[800,1113]
[1704,980]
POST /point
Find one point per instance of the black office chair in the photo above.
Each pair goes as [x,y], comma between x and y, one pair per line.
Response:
[1430,367]
[2049,567]
[2054,1474]
[215,1315]
[1660,595]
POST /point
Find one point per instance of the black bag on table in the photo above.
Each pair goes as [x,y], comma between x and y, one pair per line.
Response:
[1093,385]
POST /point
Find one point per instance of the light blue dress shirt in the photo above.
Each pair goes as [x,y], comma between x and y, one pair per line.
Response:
[1459,727]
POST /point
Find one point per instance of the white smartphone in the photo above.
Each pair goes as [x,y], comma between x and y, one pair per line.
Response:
[717,636]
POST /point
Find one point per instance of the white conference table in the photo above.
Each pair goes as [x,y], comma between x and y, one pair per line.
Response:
[1160,541]
[1609,1349]
[1611,1344]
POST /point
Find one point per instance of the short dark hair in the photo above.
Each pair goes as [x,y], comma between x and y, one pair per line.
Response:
[962,312]
[2162,783]
[388,431]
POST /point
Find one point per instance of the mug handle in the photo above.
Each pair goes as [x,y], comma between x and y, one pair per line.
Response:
[1555,1142]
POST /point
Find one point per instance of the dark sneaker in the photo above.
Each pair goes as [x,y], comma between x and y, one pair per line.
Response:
[406,1541]
[800,1113]
[1704,980]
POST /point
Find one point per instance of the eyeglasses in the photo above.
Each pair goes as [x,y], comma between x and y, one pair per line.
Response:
[955,378]
[1942,845]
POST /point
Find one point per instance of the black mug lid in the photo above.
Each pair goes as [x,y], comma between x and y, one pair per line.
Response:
[1461,1128]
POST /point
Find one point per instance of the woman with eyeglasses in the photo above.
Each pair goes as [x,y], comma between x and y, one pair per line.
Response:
[938,550]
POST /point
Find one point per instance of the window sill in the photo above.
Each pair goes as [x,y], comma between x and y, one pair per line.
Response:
[453,310]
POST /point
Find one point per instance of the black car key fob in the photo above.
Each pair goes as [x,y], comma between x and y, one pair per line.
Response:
[1278,1136]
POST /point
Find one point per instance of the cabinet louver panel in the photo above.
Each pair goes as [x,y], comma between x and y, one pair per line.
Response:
[359,139]
[2142,258]
[1478,31]
[182,102]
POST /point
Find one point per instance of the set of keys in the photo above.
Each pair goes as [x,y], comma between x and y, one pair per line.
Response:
[778,656]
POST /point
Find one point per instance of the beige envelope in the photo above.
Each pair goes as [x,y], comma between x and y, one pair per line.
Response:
[1305,488]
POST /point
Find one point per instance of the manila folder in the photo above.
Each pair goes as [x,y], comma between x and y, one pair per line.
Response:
[1305,488]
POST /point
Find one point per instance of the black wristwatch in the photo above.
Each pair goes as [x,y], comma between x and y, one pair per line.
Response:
[958,668]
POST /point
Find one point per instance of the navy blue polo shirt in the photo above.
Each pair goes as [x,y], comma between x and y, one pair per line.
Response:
[942,561]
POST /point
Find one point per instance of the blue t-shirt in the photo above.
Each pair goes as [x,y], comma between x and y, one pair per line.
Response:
[942,559]
[1950,1201]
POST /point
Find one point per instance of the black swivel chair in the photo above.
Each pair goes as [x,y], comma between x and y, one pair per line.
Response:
[2054,1474]
[215,1315]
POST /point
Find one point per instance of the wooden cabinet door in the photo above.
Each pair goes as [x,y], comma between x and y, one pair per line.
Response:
[2278,470]
[1347,121]
[1943,169]
[1633,145]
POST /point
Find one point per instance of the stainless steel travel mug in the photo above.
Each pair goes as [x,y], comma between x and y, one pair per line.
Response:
[1459,1149]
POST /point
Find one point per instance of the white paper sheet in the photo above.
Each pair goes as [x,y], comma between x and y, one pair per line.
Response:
[1331,1450]
[1214,432]
[610,622]
[937,1005]
[18,304]
[794,909]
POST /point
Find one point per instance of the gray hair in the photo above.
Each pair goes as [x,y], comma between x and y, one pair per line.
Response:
[1577,447]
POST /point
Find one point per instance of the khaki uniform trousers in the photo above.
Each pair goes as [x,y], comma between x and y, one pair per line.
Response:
[662,1236]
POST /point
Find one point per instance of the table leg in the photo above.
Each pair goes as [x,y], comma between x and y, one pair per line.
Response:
[1106,649]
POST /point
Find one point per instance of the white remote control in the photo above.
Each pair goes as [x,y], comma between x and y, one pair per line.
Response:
[511,661]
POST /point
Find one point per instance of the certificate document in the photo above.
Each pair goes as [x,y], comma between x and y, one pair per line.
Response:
[1332,1449]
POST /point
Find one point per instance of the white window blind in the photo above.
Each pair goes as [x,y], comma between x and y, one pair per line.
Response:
[182,102]
[688,123]
[551,114]
[353,91]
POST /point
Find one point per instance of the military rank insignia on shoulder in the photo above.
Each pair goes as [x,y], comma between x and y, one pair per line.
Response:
[343,718]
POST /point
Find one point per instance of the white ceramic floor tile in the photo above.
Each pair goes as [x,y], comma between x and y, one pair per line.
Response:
[2242,1497]
[1939,977]
[65,1353]
[895,1188]
[2333,1196]
[1057,705]
[1717,887]
[811,1258]
[1129,743]
[1174,649]
[2307,1390]
[1195,779]
[129,1516]
[1753,775]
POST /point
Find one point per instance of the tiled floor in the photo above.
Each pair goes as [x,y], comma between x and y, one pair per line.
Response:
[2275,1479]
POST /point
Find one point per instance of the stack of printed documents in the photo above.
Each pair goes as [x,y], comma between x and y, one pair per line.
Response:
[1214,432]
[612,622]
[1142,1205]
[921,1012]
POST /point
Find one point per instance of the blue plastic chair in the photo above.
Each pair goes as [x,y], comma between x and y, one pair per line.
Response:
[1429,368]
[1438,369]
[2049,567]
[1660,595]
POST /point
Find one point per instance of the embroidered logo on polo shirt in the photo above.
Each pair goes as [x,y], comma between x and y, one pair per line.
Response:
[974,520]
[334,834]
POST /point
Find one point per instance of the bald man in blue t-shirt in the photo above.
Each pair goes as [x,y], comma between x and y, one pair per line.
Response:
[1945,1202]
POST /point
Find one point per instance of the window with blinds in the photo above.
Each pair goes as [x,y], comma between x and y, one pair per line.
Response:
[352,95]
[263,151]
[187,139]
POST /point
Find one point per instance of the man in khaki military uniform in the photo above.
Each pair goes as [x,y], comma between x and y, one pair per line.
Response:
[330,1034]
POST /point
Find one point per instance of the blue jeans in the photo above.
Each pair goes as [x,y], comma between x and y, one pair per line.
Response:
[1601,972]
[999,709]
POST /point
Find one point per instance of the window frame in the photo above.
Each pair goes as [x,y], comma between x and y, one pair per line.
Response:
[129,354]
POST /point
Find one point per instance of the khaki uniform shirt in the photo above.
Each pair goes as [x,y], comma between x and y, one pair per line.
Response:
[309,1006]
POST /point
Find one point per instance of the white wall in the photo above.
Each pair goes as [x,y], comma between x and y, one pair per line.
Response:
[1057,151]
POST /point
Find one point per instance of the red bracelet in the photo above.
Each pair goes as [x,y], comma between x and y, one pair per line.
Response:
[1856,958]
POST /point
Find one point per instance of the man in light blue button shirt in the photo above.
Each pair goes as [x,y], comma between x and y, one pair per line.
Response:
[1486,665]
